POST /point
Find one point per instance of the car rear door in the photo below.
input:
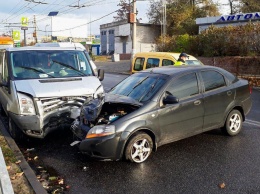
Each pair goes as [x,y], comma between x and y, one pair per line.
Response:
[218,98]
[186,117]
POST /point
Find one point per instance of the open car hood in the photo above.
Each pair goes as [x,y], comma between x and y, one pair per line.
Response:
[111,106]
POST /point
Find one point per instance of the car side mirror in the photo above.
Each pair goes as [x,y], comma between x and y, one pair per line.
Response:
[101,73]
[169,99]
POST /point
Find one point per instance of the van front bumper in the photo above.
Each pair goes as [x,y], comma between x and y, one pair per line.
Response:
[29,124]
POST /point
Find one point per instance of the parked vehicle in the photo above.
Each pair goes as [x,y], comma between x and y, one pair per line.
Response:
[6,41]
[69,45]
[42,88]
[158,106]
[146,60]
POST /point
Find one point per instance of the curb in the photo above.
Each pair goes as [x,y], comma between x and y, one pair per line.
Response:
[28,172]
[5,182]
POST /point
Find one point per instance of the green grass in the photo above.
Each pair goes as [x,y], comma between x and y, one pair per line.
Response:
[7,152]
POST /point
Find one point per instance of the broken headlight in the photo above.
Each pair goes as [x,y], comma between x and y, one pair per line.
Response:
[101,131]
[99,92]
[26,104]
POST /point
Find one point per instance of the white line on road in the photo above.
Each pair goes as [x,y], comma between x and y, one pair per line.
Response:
[251,122]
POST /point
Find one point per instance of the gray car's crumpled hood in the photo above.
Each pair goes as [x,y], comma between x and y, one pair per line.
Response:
[58,87]
[92,108]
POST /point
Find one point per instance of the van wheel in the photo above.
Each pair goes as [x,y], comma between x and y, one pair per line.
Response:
[15,131]
[139,148]
[233,123]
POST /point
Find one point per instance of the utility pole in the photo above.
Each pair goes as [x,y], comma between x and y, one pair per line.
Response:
[133,21]
[35,33]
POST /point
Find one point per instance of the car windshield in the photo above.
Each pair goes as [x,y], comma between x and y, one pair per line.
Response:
[40,64]
[193,62]
[141,86]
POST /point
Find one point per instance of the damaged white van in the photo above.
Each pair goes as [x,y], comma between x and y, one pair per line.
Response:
[42,88]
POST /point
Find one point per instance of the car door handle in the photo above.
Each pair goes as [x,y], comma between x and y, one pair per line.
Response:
[197,102]
[229,93]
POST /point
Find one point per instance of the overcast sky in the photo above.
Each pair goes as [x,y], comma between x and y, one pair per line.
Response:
[65,23]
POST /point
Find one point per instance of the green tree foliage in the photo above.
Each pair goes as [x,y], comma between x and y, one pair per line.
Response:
[181,14]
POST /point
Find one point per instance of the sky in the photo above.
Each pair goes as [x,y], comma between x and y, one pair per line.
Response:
[76,18]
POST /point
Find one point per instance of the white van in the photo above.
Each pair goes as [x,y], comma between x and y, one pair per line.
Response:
[69,45]
[42,88]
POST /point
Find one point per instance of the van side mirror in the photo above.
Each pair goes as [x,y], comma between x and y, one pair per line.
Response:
[169,99]
[101,73]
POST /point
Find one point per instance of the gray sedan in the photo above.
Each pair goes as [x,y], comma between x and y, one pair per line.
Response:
[158,106]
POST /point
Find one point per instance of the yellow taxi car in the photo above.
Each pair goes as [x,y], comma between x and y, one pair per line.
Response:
[146,60]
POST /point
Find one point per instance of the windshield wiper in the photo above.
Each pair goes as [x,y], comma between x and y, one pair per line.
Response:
[141,81]
[36,70]
[65,65]
[151,89]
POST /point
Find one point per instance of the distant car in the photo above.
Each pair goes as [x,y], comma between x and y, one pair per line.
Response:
[158,106]
[147,60]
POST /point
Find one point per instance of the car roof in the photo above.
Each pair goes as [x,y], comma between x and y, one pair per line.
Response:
[29,48]
[173,70]
[161,54]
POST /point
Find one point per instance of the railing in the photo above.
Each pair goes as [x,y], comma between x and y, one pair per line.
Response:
[5,183]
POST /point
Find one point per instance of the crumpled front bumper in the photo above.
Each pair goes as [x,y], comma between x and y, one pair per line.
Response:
[102,148]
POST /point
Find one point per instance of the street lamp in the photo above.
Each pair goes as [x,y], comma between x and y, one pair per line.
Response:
[52,13]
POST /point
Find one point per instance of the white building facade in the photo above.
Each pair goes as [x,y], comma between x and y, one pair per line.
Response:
[116,37]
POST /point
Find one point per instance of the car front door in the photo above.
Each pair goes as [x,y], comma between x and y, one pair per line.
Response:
[184,118]
[218,96]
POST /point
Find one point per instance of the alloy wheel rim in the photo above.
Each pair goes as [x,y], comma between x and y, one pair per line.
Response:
[234,122]
[140,150]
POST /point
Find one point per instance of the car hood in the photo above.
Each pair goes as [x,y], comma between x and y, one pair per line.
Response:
[58,86]
[92,108]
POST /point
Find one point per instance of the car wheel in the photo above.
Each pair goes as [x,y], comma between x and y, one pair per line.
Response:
[139,148]
[233,123]
[15,131]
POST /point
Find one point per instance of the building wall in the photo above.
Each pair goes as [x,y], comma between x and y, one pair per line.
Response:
[145,40]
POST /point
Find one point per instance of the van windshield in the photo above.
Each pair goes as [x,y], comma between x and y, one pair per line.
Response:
[40,64]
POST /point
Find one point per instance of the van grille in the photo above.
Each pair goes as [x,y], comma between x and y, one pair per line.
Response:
[56,103]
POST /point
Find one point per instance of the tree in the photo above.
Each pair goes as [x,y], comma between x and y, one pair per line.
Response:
[181,14]
[248,6]
[234,6]
[123,12]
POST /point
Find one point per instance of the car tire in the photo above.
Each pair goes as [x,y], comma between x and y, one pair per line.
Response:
[233,124]
[15,131]
[139,148]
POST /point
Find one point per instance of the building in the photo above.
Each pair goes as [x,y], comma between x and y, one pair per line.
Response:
[116,37]
[225,20]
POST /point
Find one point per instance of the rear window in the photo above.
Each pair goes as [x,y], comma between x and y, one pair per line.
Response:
[166,62]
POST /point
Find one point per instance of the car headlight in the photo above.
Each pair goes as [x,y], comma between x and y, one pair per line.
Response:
[101,131]
[26,104]
[99,92]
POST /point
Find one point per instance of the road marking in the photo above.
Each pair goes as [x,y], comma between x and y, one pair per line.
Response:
[251,122]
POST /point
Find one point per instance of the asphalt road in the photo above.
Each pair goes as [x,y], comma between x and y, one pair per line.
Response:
[198,164]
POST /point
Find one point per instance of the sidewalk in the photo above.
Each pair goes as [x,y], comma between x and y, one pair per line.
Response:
[115,67]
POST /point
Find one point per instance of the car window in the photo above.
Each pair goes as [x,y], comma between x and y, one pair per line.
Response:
[152,62]
[139,64]
[5,70]
[212,80]
[184,86]
[166,62]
